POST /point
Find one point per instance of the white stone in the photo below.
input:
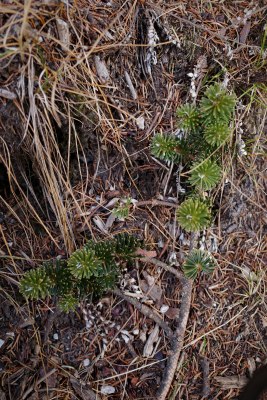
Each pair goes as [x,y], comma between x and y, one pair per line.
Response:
[140,122]
[107,389]
[86,362]
[164,308]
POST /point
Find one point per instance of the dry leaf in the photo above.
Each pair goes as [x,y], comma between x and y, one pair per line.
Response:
[149,346]
[232,382]
[101,70]
[146,253]
[172,312]
[63,33]
[149,278]
[154,292]
[245,32]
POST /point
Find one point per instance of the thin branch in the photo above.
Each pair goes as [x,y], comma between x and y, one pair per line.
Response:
[167,267]
[178,337]
[177,341]
[206,383]
[145,310]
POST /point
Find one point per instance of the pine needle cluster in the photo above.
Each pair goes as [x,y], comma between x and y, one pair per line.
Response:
[206,128]
[197,261]
[91,270]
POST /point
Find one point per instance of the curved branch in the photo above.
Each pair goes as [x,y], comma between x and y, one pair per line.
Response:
[177,341]
[145,310]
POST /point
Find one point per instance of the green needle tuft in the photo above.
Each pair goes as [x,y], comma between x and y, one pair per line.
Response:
[205,175]
[194,215]
[198,261]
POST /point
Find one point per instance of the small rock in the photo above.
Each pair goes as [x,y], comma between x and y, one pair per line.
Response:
[140,122]
[107,389]
[86,362]
[55,336]
[164,308]
[125,338]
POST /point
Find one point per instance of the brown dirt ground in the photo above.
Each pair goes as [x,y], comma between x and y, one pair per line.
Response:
[44,352]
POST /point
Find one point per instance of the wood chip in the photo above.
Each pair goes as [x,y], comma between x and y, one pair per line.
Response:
[232,382]
[7,94]
[63,33]
[149,346]
[82,390]
[245,32]
[101,69]
[154,292]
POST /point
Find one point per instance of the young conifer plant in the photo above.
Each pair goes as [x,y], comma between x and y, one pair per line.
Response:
[89,271]
[197,261]
[205,174]
[207,128]
[194,215]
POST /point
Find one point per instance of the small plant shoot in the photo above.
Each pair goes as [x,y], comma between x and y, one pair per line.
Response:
[91,270]
[198,261]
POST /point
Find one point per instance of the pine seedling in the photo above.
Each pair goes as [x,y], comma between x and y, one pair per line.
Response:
[198,261]
[126,245]
[60,276]
[83,263]
[122,210]
[188,117]
[36,284]
[205,174]
[217,105]
[194,215]
[68,303]
[167,148]
[217,134]
[91,270]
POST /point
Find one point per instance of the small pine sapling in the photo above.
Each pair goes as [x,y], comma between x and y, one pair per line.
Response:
[91,270]
[205,174]
[194,215]
[188,117]
[197,261]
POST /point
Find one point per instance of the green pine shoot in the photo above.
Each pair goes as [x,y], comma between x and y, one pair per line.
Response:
[198,261]
[68,303]
[126,245]
[167,148]
[205,175]
[83,263]
[188,117]
[36,284]
[217,105]
[217,134]
[194,215]
[122,210]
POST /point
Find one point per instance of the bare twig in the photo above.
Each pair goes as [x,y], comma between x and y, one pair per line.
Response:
[155,202]
[206,383]
[177,341]
[167,267]
[178,337]
[145,310]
